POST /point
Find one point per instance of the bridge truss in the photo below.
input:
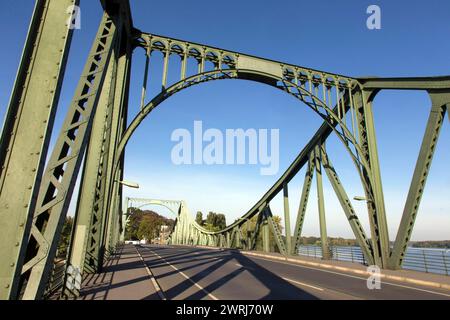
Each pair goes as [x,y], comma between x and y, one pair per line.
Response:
[35,193]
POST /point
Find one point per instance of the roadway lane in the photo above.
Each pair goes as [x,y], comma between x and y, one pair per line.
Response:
[195,273]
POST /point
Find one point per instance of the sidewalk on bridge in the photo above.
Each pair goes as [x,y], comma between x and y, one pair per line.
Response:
[123,278]
[405,276]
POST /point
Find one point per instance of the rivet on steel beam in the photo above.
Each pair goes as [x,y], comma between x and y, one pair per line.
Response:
[12,264]
[7,286]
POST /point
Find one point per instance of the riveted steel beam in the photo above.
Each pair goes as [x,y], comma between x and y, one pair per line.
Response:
[61,172]
[265,234]
[87,216]
[275,231]
[362,100]
[26,132]
[287,219]
[358,231]
[440,104]
[303,202]
[321,205]
[113,189]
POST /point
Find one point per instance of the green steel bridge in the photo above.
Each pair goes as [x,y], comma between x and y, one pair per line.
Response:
[36,184]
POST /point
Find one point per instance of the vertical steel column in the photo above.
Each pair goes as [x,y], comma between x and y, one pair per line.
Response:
[184,59]
[440,103]
[87,213]
[321,205]
[303,202]
[119,123]
[26,132]
[144,84]
[265,235]
[287,219]
[165,68]
[107,244]
[238,238]
[376,205]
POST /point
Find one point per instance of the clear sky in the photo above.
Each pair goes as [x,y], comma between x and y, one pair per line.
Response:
[326,35]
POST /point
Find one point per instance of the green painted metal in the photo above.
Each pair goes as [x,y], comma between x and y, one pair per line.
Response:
[113,189]
[440,104]
[303,202]
[374,191]
[321,204]
[26,132]
[265,235]
[275,231]
[305,84]
[60,175]
[287,219]
[344,103]
[363,242]
[87,217]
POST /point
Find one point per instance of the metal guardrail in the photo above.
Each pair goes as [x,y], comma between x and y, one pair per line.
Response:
[417,259]
[56,278]
[428,260]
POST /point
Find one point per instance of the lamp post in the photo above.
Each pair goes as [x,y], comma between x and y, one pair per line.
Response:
[359,198]
[130,184]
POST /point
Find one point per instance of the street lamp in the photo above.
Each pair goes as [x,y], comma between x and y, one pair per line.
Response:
[129,184]
[359,198]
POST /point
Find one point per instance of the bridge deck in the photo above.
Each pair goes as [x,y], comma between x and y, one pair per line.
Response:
[200,273]
[124,277]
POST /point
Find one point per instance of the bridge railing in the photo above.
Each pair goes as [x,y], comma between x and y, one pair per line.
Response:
[417,259]
[55,282]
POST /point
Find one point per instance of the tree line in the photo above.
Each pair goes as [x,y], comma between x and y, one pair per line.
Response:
[145,224]
[213,222]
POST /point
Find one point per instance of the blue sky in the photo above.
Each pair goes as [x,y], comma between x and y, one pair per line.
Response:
[326,35]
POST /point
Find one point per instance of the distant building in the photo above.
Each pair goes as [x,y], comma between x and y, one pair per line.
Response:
[164,234]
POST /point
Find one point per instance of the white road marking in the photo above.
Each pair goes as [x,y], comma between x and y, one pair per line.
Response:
[356,277]
[302,284]
[152,278]
[213,297]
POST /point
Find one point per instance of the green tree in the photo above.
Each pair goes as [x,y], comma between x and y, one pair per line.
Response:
[199,218]
[215,221]
[145,224]
[64,240]
[249,227]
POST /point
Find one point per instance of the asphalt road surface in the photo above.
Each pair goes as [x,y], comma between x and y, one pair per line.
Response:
[196,273]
